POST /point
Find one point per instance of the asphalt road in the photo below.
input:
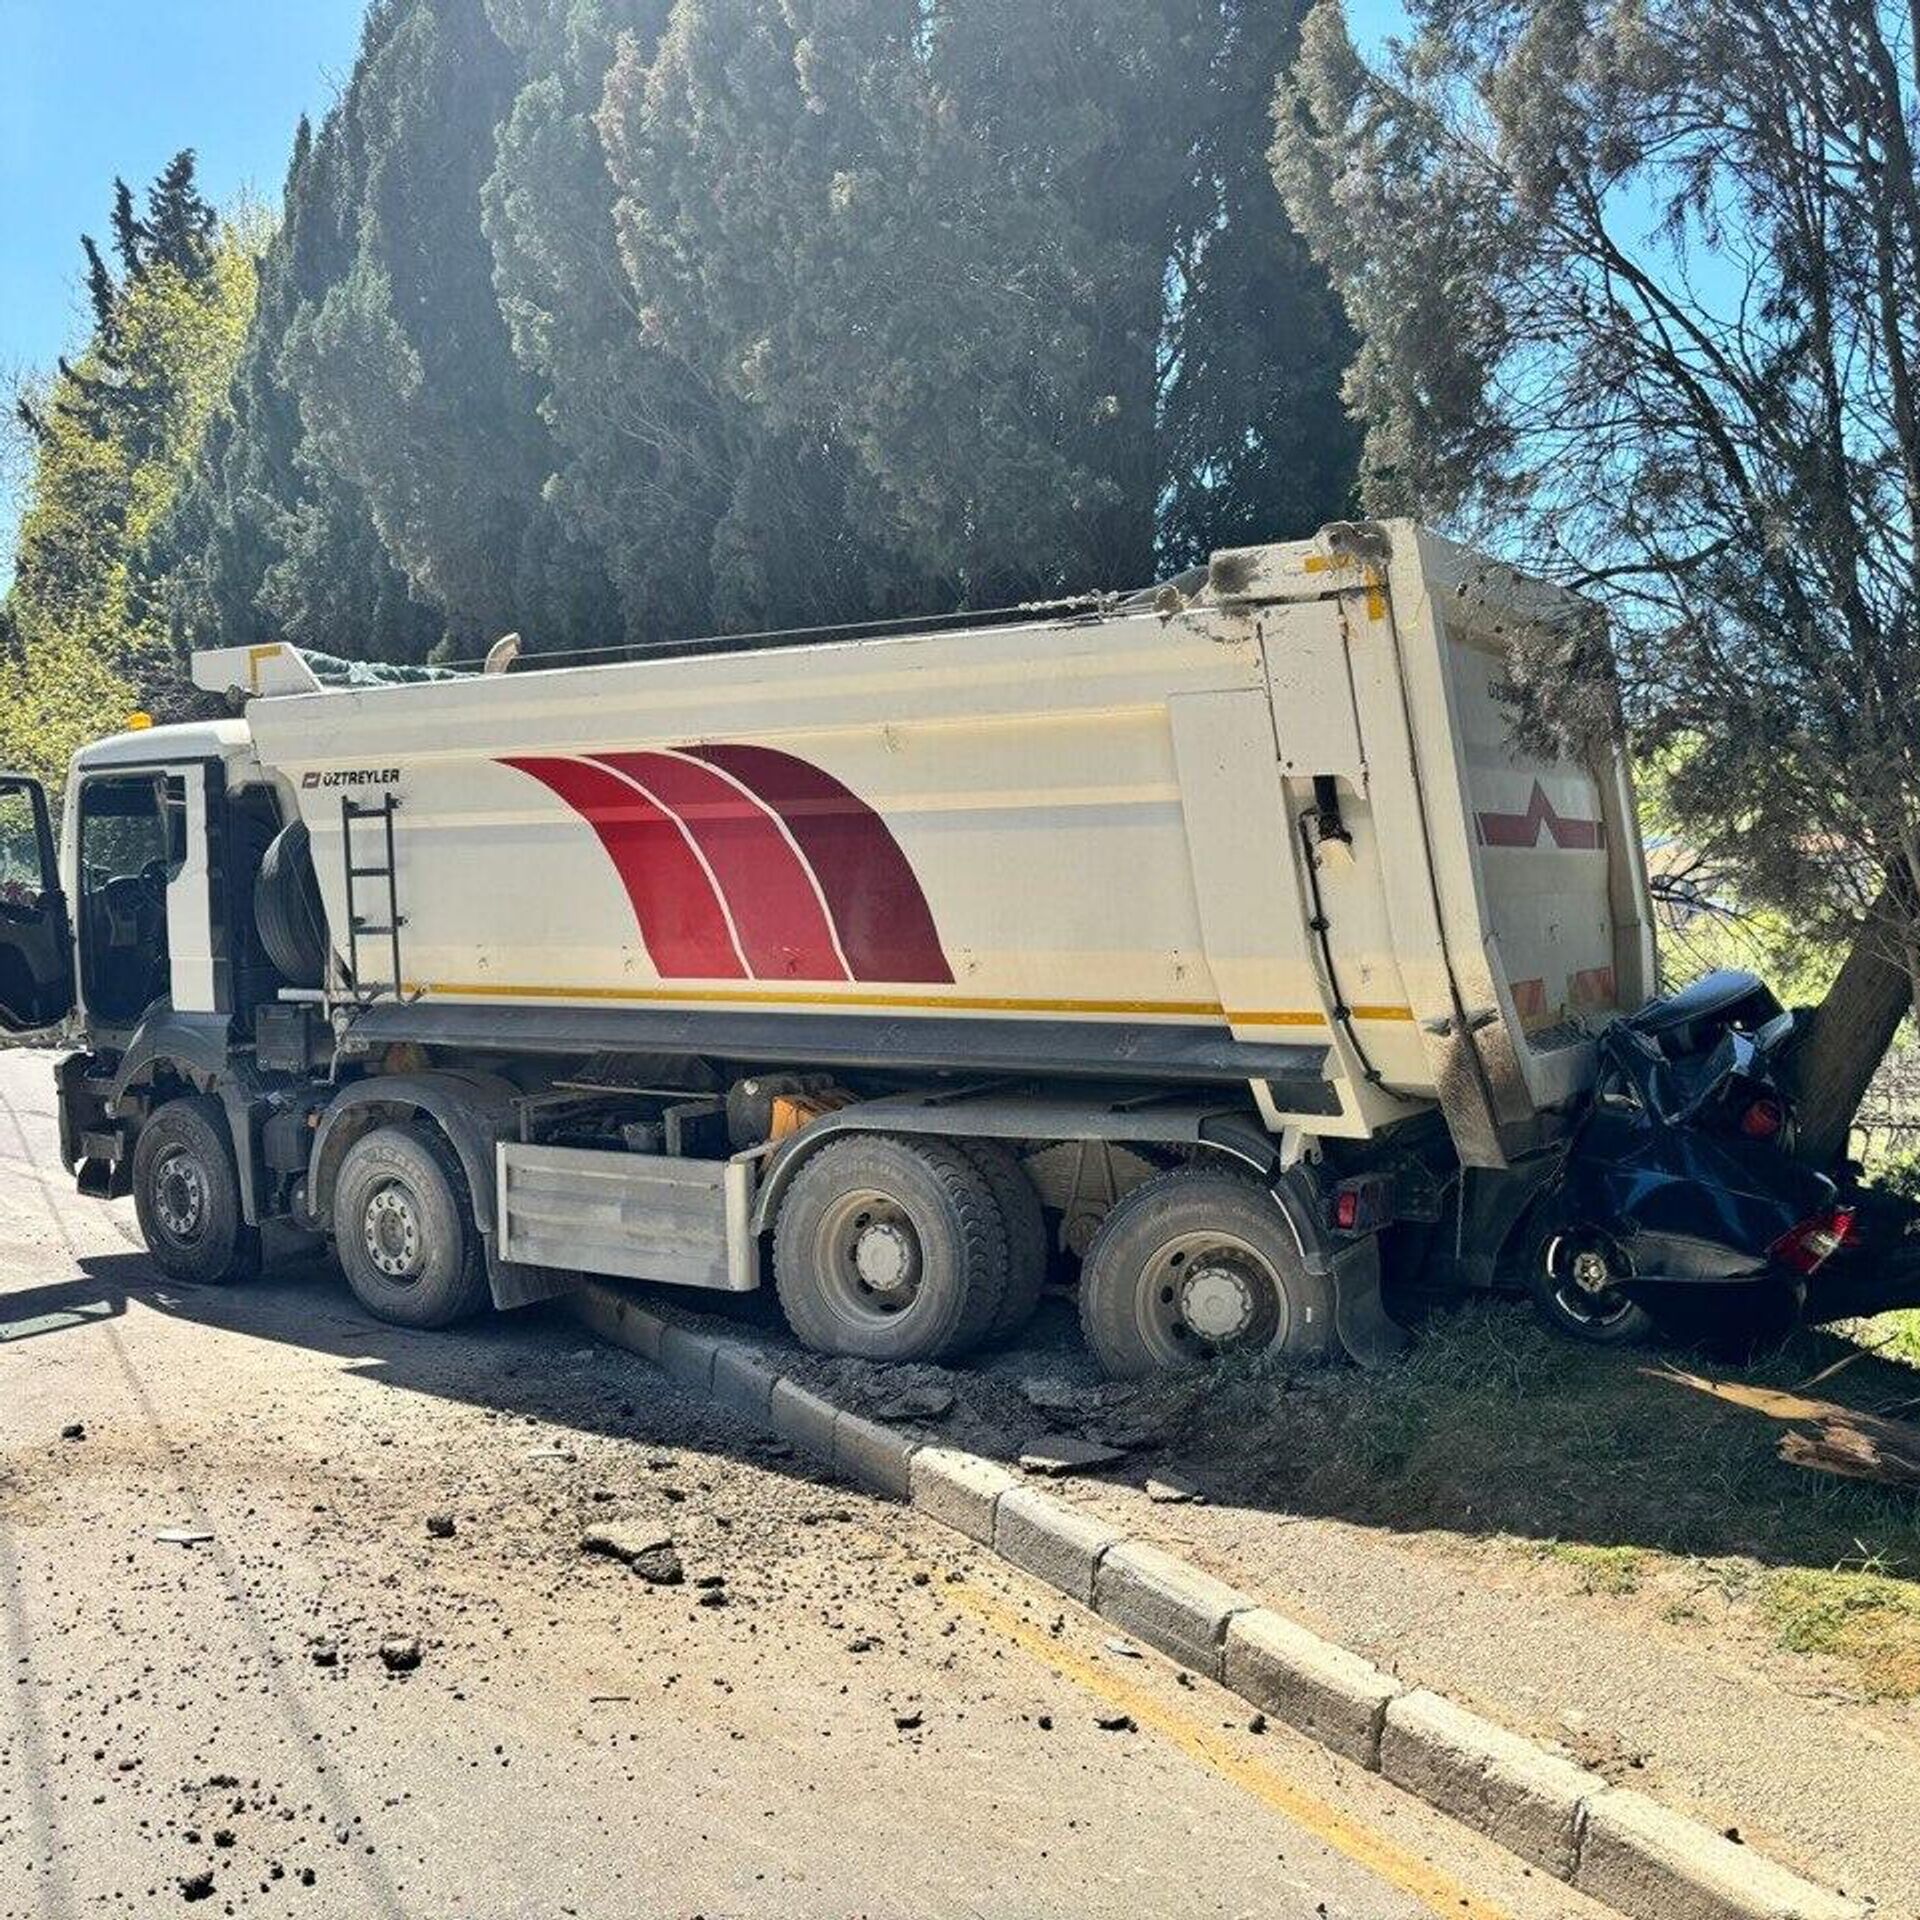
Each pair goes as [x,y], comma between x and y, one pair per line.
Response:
[874,1720]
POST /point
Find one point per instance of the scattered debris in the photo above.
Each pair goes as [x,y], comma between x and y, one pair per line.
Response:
[324,1653]
[550,1453]
[1257,1723]
[1845,1440]
[1057,1454]
[916,1403]
[906,1722]
[659,1564]
[197,1886]
[1859,1446]
[1125,1648]
[1171,1489]
[714,1597]
[1064,1402]
[1116,1723]
[74,1430]
[400,1652]
[183,1536]
[711,1580]
[440,1525]
[617,1543]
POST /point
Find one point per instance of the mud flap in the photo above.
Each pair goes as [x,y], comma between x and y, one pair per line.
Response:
[517,1285]
[1370,1337]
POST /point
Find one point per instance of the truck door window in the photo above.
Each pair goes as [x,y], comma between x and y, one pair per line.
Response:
[132,842]
[21,880]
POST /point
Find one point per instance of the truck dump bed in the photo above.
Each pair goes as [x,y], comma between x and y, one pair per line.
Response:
[1277,832]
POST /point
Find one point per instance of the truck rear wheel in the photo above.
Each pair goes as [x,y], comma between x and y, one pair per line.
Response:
[889,1249]
[186,1192]
[403,1225]
[1026,1226]
[1195,1264]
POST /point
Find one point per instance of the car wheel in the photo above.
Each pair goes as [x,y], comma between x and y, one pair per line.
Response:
[403,1226]
[186,1193]
[1196,1264]
[1576,1276]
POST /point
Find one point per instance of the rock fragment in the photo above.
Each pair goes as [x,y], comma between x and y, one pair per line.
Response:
[1056,1454]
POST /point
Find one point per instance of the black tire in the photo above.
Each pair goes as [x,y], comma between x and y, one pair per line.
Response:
[1026,1225]
[404,1230]
[287,911]
[889,1249]
[1601,1316]
[1206,1229]
[186,1192]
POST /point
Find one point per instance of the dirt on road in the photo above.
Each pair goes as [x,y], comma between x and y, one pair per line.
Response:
[302,1614]
[1582,1550]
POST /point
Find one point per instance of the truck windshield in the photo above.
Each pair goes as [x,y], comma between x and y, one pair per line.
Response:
[132,843]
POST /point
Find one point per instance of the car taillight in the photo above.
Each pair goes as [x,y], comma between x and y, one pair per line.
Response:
[1763,1119]
[1805,1247]
[1346,1210]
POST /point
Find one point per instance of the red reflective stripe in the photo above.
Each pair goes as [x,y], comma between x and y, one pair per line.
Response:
[1530,999]
[885,925]
[680,916]
[1523,829]
[781,926]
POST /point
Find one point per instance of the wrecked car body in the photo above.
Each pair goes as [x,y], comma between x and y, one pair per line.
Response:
[1677,1180]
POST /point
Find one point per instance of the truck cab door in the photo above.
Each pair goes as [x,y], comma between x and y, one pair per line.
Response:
[36,947]
[152,908]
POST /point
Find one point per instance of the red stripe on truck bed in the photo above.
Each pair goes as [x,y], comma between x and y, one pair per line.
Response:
[1523,829]
[885,925]
[778,917]
[681,918]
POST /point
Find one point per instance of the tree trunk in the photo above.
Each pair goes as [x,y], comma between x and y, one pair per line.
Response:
[1852,1030]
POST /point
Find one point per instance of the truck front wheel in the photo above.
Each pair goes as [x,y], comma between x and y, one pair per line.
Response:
[403,1226]
[1193,1265]
[186,1192]
[889,1249]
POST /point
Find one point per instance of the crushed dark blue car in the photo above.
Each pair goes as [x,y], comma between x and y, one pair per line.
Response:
[1677,1199]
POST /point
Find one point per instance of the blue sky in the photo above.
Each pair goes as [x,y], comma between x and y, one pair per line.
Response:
[94,88]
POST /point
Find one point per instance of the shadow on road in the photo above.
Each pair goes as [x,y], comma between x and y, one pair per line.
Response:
[34,1311]
[1488,1427]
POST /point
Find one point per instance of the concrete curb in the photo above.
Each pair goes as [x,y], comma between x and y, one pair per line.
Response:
[1634,1855]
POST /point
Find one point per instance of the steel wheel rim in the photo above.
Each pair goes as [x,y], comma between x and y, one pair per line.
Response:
[390,1230]
[180,1196]
[1571,1279]
[872,1261]
[1207,1293]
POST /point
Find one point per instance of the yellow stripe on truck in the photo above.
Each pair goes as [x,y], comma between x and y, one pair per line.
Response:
[894,1002]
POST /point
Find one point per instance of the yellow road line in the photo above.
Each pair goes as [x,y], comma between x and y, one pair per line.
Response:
[774,995]
[1381,1857]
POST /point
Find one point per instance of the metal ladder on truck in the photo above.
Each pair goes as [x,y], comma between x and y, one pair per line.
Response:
[359,925]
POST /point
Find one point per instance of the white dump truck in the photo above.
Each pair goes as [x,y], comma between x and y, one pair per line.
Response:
[1196,939]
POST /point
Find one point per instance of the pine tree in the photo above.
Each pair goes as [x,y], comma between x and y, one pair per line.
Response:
[406,381]
[643,449]
[127,415]
[1255,440]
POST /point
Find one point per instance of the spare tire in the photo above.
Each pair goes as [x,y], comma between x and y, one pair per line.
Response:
[287,909]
